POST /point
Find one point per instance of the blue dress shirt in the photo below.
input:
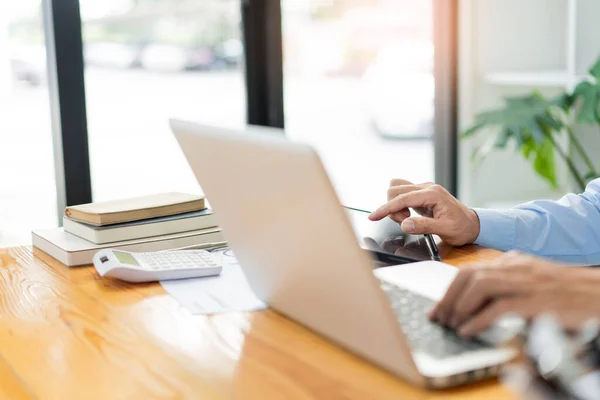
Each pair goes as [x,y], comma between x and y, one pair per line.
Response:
[567,230]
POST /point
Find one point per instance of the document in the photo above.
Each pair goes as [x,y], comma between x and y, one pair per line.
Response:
[227,292]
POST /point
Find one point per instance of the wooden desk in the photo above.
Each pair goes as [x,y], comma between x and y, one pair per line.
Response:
[66,334]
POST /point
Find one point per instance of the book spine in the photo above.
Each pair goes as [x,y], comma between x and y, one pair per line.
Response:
[150,230]
[107,236]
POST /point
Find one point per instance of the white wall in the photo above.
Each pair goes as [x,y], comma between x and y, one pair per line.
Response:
[587,52]
[525,37]
[5,80]
[588,33]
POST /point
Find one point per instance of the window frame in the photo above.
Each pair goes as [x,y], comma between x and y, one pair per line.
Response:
[66,84]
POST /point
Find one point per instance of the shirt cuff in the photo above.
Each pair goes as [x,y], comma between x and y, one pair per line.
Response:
[496,229]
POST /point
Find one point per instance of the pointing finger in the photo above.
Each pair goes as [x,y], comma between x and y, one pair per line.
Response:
[420,198]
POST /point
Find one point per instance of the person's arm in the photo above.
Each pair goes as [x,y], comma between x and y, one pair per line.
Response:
[567,230]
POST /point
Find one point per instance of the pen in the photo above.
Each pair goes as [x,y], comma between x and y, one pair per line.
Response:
[432,247]
[211,246]
[357,209]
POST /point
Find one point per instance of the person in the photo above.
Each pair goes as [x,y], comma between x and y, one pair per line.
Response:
[554,234]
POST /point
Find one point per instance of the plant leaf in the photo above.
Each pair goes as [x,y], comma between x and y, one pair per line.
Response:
[472,130]
[528,148]
[548,121]
[536,130]
[595,69]
[591,176]
[564,102]
[502,139]
[530,121]
[598,104]
[544,162]
[521,116]
[588,98]
[517,133]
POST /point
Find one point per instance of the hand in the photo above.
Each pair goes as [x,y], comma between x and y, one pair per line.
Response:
[441,213]
[521,284]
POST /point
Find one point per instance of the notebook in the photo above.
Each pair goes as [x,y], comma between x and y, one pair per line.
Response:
[135,208]
[73,251]
[142,229]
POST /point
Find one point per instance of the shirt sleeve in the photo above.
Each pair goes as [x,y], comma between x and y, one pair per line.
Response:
[566,230]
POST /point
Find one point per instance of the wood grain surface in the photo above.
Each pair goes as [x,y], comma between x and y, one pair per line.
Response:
[67,334]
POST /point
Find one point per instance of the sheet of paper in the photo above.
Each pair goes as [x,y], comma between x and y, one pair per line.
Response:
[227,292]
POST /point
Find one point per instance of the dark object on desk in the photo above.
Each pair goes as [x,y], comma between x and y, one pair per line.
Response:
[386,241]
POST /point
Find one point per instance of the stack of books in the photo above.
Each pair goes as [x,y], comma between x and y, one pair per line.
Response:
[149,223]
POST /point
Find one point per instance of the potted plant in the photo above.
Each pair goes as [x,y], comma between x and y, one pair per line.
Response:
[535,123]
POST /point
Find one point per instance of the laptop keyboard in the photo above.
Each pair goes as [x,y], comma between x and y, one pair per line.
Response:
[423,334]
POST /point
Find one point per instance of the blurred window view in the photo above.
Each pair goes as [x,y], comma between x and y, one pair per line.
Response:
[359,86]
[147,61]
[28,190]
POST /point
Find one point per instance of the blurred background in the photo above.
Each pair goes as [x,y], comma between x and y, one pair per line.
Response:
[359,84]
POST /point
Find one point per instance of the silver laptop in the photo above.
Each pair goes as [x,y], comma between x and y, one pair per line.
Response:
[282,218]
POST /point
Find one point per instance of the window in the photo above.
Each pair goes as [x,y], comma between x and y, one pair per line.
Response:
[147,61]
[359,86]
[28,190]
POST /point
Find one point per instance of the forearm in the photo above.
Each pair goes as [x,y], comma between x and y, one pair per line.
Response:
[567,230]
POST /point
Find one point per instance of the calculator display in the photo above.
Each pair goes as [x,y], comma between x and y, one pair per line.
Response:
[125,258]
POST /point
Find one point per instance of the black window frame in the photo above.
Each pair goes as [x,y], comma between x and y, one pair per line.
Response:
[66,84]
[263,50]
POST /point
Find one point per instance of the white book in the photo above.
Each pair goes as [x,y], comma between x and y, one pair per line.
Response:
[73,251]
[141,229]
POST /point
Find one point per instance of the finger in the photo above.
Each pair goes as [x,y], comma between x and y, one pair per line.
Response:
[485,286]
[400,182]
[423,225]
[515,262]
[509,258]
[486,317]
[441,310]
[392,245]
[400,216]
[419,198]
[395,191]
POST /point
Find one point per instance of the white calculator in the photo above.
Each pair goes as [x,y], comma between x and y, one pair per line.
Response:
[157,266]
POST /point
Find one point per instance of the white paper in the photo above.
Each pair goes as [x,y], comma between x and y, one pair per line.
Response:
[227,292]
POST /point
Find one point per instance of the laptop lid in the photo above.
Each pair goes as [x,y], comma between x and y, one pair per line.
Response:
[281,216]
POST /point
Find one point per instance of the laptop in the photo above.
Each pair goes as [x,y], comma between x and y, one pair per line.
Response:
[295,243]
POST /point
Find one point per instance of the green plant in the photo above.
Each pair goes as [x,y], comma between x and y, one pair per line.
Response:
[535,123]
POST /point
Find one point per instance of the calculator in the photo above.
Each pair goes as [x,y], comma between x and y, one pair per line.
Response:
[156,266]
